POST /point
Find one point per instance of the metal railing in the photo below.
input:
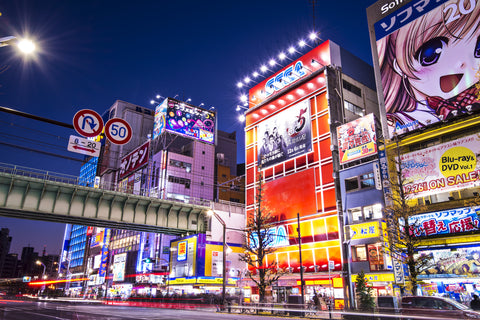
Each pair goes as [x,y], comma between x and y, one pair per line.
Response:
[75,180]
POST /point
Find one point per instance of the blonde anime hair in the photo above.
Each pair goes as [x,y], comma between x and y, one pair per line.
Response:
[397,50]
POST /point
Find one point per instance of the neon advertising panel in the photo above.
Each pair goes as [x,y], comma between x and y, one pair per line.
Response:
[304,66]
[289,195]
[453,262]
[285,135]
[428,56]
[445,167]
[159,119]
[184,119]
[357,139]
[446,222]
[134,160]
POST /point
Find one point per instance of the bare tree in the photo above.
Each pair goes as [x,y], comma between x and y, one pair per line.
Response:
[400,207]
[260,238]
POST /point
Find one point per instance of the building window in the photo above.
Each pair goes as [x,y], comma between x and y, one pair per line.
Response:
[203,167]
[364,181]
[366,213]
[203,152]
[185,182]
[359,253]
[352,88]
[180,164]
[354,108]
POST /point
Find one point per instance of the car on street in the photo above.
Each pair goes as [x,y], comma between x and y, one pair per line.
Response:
[436,308]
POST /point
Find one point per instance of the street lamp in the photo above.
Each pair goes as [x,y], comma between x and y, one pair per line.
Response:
[224,258]
[24,45]
[43,274]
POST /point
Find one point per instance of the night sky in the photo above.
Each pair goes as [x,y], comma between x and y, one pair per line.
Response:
[91,53]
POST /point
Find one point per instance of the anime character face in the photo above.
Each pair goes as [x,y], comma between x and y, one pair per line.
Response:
[444,67]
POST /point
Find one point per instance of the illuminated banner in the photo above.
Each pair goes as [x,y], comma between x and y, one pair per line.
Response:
[285,135]
[159,119]
[182,251]
[102,272]
[357,139]
[186,120]
[445,167]
[291,74]
[420,47]
[119,261]
[364,230]
[276,237]
[446,222]
[284,197]
[134,160]
[460,261]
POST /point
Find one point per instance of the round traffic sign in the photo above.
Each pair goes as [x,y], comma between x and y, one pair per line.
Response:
[118,131]
[88,123]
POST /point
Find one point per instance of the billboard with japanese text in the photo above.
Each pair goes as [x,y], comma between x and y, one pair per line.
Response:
[184,119]
[357,139]
[134,160]
[452,262]
[448,166]
[285,135]
[446,222]
[428,57]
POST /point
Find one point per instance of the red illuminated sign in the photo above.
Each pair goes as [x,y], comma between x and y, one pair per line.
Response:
[134,160]
[285,78]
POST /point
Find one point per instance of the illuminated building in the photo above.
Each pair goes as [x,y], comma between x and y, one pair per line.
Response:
[433,134]
[291,140]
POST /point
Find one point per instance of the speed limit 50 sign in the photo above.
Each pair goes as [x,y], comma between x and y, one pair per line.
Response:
[118,131]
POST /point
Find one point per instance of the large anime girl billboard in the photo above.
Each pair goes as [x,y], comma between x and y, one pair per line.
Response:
[429,56]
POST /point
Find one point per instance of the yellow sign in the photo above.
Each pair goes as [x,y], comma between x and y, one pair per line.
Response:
[364,230]
[337,282]
[457,161]
[376,277]
[182,281]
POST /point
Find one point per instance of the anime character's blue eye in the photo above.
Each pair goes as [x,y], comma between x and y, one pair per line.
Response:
[476,53]
[430,51]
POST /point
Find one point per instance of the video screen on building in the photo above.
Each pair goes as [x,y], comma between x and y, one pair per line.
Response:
[184,119]
[445,167]
[428,59]
[357,139]
[287,196]
[285,135]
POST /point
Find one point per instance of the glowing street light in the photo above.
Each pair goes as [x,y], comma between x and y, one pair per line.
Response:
[24,45]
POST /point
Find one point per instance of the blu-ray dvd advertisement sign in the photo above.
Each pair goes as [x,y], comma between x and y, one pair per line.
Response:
[428,57]
[357,139]
[446,167]
[181,118]
[285,135]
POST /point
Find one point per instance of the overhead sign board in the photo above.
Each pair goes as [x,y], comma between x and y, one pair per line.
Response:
[292,74]
[285,135]
[184,119]
[118,131]
[445,167]
[134,160]
[357,139]
[88,123]
[420,45]
[446,222]
[84,146]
